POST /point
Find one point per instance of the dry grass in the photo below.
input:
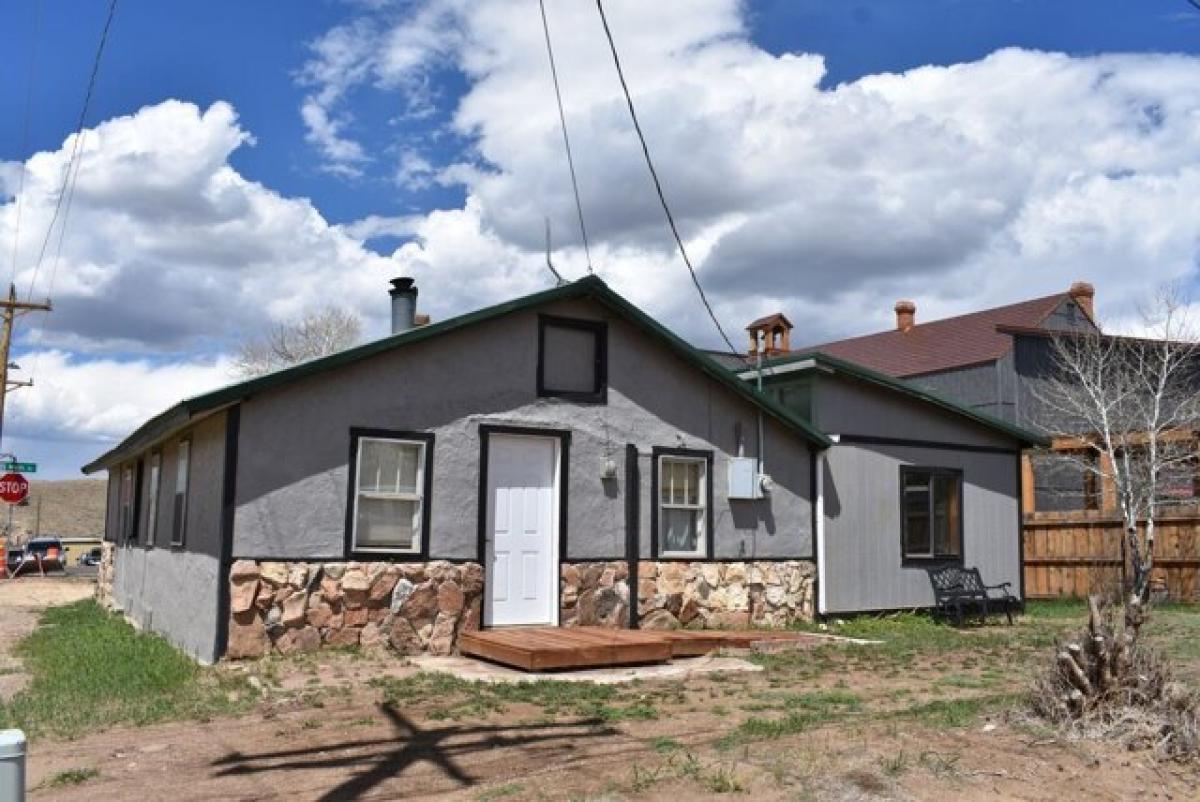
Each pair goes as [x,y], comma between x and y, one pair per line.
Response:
[1149,710]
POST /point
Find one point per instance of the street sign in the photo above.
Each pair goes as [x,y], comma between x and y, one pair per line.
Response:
[13,488]
[18,467]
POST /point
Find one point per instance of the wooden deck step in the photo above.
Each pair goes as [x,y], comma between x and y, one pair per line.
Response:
[550,648]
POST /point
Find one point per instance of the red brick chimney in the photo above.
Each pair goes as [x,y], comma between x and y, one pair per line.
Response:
[906,315]
[1084,294]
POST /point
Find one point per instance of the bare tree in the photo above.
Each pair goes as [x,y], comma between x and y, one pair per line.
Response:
[1130,404]
[318,333]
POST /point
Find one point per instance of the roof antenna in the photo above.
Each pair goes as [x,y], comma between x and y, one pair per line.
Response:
[558,279]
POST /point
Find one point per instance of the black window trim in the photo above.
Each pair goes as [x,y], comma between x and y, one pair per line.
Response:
[655,509]
[179,511]
[421,554]
[128,522]
[936,559]
[599,328]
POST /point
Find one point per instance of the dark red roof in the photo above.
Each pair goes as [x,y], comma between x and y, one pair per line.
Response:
[943,344]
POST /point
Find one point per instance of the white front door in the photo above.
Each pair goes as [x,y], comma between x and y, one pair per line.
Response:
[522,530]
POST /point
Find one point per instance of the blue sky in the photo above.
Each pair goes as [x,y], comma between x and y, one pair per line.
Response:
[249,53]
[1056,146]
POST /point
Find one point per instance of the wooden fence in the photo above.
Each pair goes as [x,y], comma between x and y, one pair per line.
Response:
[1077,553]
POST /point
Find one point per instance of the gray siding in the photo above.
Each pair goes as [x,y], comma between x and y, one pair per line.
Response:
[849,407]
[862,555]
[173,593]
[294,447]
[168,590]
[986,387]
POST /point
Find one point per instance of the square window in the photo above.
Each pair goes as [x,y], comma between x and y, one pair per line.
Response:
[572,359]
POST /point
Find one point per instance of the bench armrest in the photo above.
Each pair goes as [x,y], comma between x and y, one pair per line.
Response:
[1001,586]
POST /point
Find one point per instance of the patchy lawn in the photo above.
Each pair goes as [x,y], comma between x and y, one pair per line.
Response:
[923,714]
[90,670]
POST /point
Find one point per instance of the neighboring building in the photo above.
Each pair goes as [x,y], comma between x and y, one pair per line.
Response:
[558,459]
[990,360]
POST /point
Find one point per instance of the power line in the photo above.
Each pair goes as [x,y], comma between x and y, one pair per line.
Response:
[662,199]
[33,49]
[68,184]
[562,117]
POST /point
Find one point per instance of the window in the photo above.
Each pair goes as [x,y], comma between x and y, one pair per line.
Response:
[152,503]
[179,513]
[391,481]
[931,515]
[682,494]
[125,523]
[572,359]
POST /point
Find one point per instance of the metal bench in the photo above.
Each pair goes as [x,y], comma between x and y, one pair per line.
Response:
[958,590]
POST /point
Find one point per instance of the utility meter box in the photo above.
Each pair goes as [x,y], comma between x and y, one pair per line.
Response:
[743,478]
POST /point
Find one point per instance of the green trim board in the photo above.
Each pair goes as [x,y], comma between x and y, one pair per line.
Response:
[823,362]
[186,411]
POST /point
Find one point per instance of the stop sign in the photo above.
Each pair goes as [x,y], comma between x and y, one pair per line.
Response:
[13,488]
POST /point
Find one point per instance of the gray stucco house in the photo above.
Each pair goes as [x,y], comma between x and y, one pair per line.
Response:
[559,459]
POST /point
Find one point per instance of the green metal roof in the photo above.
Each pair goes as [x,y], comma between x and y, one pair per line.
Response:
[589,287]
[856,371]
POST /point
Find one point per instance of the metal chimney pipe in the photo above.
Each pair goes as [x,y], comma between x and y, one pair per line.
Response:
[404,304]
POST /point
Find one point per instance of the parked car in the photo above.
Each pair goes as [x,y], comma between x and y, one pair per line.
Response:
[49,549]
[91,557]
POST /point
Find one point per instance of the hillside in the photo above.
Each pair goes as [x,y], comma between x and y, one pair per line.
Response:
[68,508]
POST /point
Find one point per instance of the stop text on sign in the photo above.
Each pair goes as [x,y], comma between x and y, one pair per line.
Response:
[13,488]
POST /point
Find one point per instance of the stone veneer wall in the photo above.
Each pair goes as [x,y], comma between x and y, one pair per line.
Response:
[594,594]
[105,576]
[765,593]
[301,606]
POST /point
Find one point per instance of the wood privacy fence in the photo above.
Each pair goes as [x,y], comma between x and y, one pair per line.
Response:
[1077,553]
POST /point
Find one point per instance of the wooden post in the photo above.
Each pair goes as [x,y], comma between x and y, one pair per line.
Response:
[1028,502]
[8,313]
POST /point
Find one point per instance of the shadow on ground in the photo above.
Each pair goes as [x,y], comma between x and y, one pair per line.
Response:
[383,759]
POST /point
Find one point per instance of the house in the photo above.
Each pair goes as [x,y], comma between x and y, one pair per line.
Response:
[559,459]
[911,481]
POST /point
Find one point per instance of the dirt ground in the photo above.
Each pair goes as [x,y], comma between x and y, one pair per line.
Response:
[21,601]
[361,749]
[328,730]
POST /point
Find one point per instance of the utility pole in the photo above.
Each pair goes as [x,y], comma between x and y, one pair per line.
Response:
[11,308]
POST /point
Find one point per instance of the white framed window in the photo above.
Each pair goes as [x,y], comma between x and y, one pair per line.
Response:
[682,505]
[183,459]
[152,501]
[389,494]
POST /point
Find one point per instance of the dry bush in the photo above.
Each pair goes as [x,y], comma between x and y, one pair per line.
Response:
[1114,688]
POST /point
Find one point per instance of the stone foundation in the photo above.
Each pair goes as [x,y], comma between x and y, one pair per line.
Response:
[697,595]
[594,594]
[298,606]
[724,595]
[105,575]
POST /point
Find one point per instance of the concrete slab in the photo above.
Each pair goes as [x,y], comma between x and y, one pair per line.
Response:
[468,668]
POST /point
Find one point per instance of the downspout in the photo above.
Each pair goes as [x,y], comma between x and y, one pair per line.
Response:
[762,465]
[822,606]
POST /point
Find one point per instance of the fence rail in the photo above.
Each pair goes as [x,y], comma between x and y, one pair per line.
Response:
[1074,554]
